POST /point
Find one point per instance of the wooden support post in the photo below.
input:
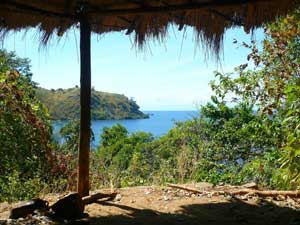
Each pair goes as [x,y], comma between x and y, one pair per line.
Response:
[85,107]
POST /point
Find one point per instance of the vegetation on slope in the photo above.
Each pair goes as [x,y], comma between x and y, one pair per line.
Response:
[64,104]
[25,131]
[248,132]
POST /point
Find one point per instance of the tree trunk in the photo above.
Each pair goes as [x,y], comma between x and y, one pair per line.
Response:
[85,107]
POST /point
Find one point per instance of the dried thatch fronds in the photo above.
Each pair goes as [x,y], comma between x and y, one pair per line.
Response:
[148,19]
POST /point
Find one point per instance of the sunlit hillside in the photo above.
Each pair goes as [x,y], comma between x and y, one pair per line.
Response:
[64,104]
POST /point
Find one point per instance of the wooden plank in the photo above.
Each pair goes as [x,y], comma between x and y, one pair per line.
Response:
[192,190]
[243,191]
[85,107]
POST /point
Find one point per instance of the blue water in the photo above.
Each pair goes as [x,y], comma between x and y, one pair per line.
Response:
[159,123]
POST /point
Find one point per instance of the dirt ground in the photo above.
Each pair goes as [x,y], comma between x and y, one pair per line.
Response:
[161,205]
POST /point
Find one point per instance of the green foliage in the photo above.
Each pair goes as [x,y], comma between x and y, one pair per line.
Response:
[67,155]
[273,87]
[14,187]
[120,153]
[213,147]
[250,131]
[263,170]
[64,104]
[25,129]
[10,62]
[70,135]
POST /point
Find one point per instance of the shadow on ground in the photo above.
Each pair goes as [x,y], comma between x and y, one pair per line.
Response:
[234,212]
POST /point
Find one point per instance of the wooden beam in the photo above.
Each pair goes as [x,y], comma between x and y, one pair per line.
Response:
[85,107]
[32,9]
[94,9]
[173,8]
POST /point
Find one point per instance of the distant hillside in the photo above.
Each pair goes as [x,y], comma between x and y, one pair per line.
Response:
[64,104]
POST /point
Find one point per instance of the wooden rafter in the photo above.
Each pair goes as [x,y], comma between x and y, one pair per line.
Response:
[36,10]
[174,8]
[125,11]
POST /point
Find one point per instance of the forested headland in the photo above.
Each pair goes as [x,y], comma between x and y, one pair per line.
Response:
[249,131]
[63,104]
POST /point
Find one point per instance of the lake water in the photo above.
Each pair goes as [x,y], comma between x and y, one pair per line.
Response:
[159,123]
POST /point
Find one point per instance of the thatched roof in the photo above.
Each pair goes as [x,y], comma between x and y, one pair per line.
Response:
[146,18]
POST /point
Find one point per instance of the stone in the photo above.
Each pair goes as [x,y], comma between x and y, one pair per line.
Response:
[84,221]
[228,197]
[166,198]
[250,185]
[118,197]
[69,207]
[280,198]
[27,208]
[244,197]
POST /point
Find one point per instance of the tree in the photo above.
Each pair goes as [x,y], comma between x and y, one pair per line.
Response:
[273,88]
[25,129]
[115,154]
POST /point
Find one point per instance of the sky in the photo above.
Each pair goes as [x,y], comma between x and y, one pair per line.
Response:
[173,75]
